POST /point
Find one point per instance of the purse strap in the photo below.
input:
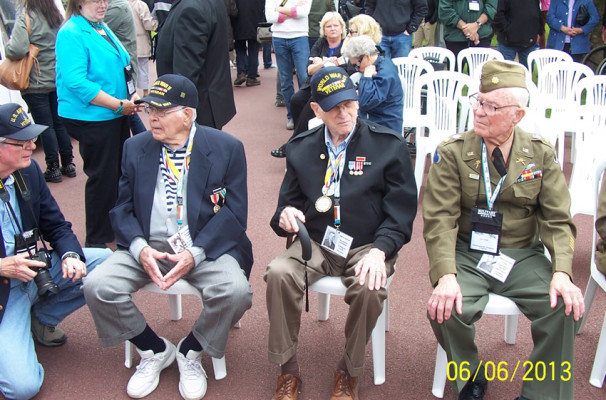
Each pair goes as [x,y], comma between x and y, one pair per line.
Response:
[36,66]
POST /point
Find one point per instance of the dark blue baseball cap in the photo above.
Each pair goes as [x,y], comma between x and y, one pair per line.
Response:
[331,86]
[171,90]
[16,124]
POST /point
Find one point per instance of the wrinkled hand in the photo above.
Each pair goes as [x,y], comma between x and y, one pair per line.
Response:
[568,31]
[370,71]
[316,60]
[73,268]
[147,259]
[577,31]
[561,285]
[129,107]
[469,30]
[288,219]
[185,262]
[18,267]
[372,265]
[446,294]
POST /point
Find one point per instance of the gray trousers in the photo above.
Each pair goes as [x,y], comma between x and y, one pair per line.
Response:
[285,277]
[226,295]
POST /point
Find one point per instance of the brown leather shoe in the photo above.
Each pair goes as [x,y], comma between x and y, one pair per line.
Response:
[346,387]
[289,386]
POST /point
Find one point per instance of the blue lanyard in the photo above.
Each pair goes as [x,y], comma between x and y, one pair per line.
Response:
[490,196]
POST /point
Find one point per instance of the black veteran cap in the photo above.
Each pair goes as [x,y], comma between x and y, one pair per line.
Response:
[16,124]
[171,90]
[502,74]
[331,86]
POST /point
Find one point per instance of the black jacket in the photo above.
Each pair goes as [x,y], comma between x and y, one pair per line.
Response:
[518,22]
[250,13]
[397,16]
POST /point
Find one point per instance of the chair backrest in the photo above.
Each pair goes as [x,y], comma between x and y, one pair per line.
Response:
[474,58]
[539,58]
[409,71]
[591,101]
[438,57]
[599,171]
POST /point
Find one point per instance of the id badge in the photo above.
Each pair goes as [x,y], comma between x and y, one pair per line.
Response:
[181,240]
[336,241]
[130,82]
[498,267]
[474,5]
[486,228]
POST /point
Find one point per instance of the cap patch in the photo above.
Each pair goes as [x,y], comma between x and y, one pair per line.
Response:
[20,119]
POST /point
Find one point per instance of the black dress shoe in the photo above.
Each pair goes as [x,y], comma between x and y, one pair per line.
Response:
[279,152]
[475,390]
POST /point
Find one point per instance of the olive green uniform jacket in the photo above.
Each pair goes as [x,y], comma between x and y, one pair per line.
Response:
[600,225]
[534,208]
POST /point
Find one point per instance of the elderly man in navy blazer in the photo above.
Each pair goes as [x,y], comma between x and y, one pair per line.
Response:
[181,214]
[31,294]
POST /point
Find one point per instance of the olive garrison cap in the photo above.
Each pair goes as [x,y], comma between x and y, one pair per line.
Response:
[502,74]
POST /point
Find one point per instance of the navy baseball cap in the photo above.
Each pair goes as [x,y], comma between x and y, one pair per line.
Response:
[171,90]
[16,124]
[331,86]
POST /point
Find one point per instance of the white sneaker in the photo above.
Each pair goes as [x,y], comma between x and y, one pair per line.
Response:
[290,125]
[147,376]
[192,380]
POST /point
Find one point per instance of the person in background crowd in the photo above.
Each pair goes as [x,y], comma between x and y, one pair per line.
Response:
[119,17]
[94,104]
[291,46]
[380,92]
[466,23]
[318,9]
[250,13]
[144,24]
[604,26]
[377,203]
[194,43]
[567,32]
[364,25]
[32,307]
[41,95]
[544,9]
[427,29]
[518,26]
[399,19]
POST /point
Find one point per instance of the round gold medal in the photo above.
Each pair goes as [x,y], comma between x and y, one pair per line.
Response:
[216,208]
[323,204]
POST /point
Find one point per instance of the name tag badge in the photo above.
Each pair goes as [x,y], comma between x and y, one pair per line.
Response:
[336,241]
[485,231]
[474,5]
[130,82]
[181,240]
[498,267]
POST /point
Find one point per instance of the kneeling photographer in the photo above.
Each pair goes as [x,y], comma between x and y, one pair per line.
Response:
[40,283]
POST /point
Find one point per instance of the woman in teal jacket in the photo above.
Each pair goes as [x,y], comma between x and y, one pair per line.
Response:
[94,103]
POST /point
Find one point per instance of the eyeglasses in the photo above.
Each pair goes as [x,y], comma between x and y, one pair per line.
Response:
[160,113]
[352,32]
[489,108]
[21,143]
[357,65]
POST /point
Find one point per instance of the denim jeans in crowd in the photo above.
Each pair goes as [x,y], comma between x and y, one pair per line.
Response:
[136,125]
[509,52]
[287,51]
[396,46]
[55,140]
[267,61]
[247,57]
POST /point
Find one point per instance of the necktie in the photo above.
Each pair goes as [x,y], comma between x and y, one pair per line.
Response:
[499,162]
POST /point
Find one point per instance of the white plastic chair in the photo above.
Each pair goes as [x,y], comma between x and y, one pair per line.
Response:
[598,371]
[409,70]
[445,91]
[475,57]
[557,89]
[497,305]
[435,54]
[174,298]
[539,58]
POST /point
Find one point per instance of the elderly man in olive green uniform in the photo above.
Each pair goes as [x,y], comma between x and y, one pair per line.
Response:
[491,194]
[600,226]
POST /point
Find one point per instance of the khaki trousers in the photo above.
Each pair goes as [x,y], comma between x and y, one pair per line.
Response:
[553,332]
[285,277]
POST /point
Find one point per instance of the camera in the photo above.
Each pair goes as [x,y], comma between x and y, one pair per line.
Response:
[43,278]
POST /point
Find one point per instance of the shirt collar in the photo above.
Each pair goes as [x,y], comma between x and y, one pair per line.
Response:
[343,145]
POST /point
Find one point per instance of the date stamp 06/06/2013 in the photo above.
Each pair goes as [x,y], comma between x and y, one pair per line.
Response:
[504,371]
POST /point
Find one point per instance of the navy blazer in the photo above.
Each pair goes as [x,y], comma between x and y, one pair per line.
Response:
[44,214]
[217,161]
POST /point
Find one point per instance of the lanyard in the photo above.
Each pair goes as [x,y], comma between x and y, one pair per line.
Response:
[490,196]
[179,176]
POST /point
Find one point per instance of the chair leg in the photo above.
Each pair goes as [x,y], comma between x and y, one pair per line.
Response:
[174,302]
[128,354]
[219,368]
[511,326]
[386,312]
[439,373]
[378,349]
[323,306]
[598,372]
[592,285]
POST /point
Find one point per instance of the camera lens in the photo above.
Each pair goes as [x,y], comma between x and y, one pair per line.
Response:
[45,283]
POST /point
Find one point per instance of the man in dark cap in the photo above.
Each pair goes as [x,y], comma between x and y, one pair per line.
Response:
[38,287]
[497,193]
[181,213]
[350,176]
